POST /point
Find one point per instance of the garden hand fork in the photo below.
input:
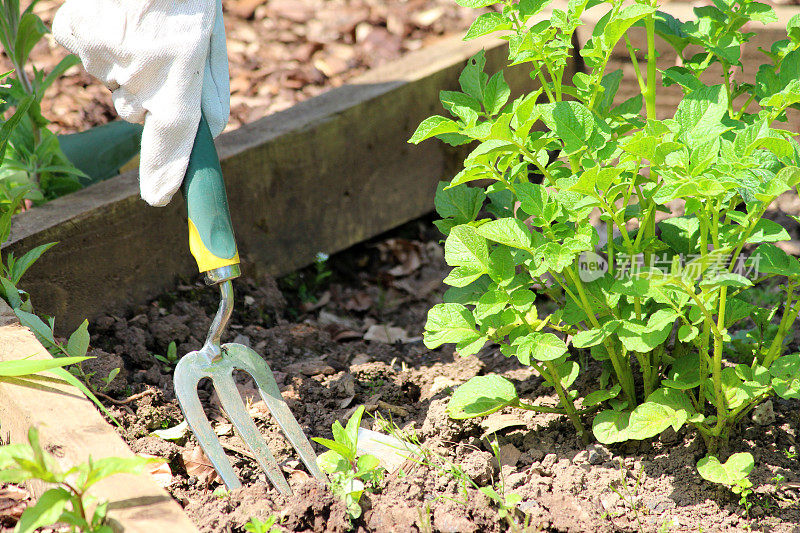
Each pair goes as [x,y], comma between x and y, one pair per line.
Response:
[212,243]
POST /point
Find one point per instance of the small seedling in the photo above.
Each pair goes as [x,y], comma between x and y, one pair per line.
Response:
[627,494]
[108,379]
[68,502]
[732,473]
[267,526]
[171,358]
[350,475]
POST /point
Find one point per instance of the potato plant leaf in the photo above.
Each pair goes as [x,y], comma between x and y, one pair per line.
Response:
[731,472]
[480,396]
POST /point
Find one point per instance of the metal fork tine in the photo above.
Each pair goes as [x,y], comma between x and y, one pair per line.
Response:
[232,403]
[186,378]
[253,364]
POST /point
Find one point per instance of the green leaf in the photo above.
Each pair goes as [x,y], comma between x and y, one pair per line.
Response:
[461,105]
[23,263]
[539,346]
[572,122]
[462,276]
[768,231]
[700,114]
[465,247]
[670,29]
[480,396]
[487,23]
[490,303]
[769,259]
[332,462]
[352,427]
[462,203]
[663,408]
[35,324]
[11,293]
[432,126]
[610,426]
[593,337]
[451,323]
[568,373]
[502,266]
[367,463]
[602,395]
[684,373]
[12,123]
[337,447]
[786,376]
[496,94]
[509,231]
[45,512]
[26,367]
[642,338]
[731,472]
[624,19]
[31,29]
[79,340]
[109,466]
[65,64]
[472,78]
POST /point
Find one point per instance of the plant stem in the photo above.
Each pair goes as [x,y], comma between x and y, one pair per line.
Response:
[539,408]
[566,401]
[650,95]
[610,242]
[716,369]
[789,316]
[635,62]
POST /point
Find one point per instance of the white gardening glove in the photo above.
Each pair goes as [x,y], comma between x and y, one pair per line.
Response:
[160,59]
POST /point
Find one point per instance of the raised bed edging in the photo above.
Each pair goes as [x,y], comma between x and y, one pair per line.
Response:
[71,429]
[323,175]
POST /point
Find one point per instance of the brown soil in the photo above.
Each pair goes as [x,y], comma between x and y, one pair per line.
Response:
[326,369]
[280,52]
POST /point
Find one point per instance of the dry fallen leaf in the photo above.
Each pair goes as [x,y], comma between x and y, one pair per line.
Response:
[388,334]
[508,455]
[197,464]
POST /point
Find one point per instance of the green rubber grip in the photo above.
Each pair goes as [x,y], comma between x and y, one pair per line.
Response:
[211,238]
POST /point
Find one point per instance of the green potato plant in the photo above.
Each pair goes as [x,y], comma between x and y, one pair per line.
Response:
[68,502]
[656,290]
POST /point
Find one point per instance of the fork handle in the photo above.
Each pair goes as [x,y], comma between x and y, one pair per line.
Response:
[211,238]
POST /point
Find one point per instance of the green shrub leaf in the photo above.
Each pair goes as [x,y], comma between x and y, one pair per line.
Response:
[730,473]
[610,426]
[480,396]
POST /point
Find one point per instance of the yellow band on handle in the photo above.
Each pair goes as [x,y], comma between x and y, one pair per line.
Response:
[206,260]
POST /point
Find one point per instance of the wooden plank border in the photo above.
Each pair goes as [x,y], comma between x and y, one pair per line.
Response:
[71,429]
[323,175]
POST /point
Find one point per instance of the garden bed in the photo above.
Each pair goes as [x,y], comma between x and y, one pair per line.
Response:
[333,355]
[357,341]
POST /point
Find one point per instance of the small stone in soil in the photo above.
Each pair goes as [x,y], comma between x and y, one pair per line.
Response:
[597,454]
[479,466]
[764,414]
